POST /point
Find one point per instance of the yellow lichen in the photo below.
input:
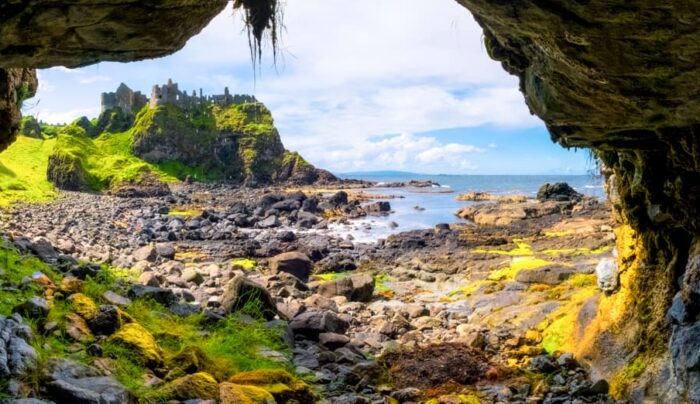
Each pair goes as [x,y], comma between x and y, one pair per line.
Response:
[517,264]
[134,336]
[522,248]
[230,393]
[84,306]
[281,384]
[621,381]
[198,385]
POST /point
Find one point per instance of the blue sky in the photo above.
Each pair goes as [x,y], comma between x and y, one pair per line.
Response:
[361,85]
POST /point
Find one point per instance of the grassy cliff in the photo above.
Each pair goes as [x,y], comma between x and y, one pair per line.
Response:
[237,143]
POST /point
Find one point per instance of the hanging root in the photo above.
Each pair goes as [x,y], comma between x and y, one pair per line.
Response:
[260,16]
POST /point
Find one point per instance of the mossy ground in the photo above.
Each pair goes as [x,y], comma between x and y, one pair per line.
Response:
[231,345]
[23,171]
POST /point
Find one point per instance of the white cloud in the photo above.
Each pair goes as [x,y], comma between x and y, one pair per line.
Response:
[93,79]
[63,116]
[403,152]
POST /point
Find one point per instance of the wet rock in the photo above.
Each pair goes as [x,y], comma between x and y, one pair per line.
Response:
[241,291]
[378,207]
[294,263]
[606,272]
[311,324]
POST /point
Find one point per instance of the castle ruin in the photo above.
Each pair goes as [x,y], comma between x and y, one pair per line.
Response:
[169,93]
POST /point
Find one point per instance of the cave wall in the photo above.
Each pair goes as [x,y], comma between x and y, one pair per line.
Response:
[623,78]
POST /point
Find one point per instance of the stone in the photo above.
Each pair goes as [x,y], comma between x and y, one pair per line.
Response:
[77,329]
[312,323]
[606,272]
[600,386]
[378,207]
[192,275]
[283,386]
[163,296]
[333,341]
[543,364]
[134,336]
[268,222]
[240,292]
[548,275]
[36,307]
[199,385]
[559,191]
[70,285]
[43,248]
[165,250]
[71,382]
[230,393]
[83,305]
[16,355]
[567,360]
[294,263]
[149,279]
[106,321]
[145,253]
[115,299]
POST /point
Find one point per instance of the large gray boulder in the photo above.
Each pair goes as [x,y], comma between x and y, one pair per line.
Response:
[72,382]
[294,263]
[357,288]
[548,275]
[16,355]
[312,323]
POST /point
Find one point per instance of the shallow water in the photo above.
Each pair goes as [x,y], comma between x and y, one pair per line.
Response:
[436,206]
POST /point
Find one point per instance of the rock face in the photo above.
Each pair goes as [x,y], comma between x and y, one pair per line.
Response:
[237,142]
[16,85]
[89,31]
[619,78]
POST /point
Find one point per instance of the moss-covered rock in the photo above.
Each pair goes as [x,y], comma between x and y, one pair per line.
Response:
[85,124]
[230,393]
[30,128]
[110,121]
[199,385]
[84,306]
[16,85]
[281,384]
[134,336]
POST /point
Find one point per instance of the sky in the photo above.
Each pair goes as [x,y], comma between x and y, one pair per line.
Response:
[359,85]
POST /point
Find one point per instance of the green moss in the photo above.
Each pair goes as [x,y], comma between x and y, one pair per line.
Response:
[17,267]
[23,171]
[381,283]
[622,380]
[334,276]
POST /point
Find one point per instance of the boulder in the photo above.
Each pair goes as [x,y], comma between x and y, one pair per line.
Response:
[192,275]
[43,248]
[200,385]
[294,263]
[106,321]
[357,288]
[378,207]
[83,305]
[560,191]
[16,355]
[241,292]
[332,340]
[606,272]
[311,324]
[77,329]
[72,382]
[283,386]
[165,250]
[230,393]
[145,253]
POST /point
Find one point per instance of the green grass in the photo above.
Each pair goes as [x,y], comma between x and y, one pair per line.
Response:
[23,171]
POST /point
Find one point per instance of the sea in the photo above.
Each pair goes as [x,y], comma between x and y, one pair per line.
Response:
[422,208]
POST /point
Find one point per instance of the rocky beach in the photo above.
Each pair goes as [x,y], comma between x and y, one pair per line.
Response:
[475,311]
